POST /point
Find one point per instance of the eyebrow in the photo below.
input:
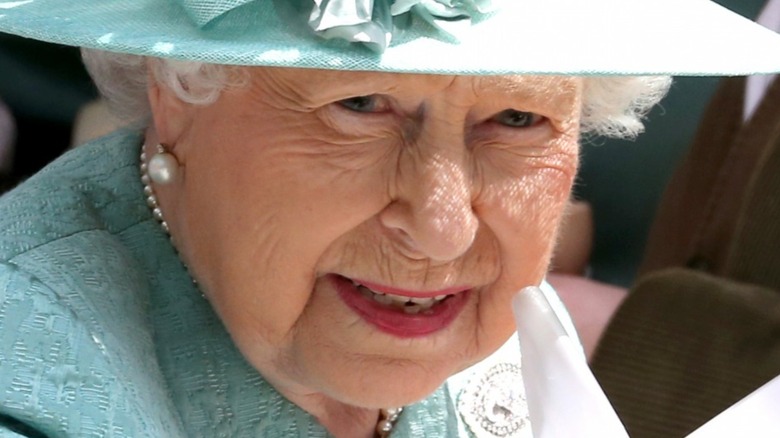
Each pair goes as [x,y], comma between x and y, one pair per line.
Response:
[546,91]
[317,87]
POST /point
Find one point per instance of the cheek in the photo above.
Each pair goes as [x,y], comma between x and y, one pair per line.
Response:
[285,170]
[530,210]
[523,211]
[524,208]
[263,203]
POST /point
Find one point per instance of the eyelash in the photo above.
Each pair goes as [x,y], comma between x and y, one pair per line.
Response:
[368,104]
[518,119]
[510,118]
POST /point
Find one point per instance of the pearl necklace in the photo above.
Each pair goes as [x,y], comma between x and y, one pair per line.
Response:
[387,420]
[387,417]
[151,199]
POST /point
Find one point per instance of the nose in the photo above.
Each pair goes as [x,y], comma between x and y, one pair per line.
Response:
[432,216]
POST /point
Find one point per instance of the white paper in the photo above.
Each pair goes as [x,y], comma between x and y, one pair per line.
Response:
[755,416]
[564,399]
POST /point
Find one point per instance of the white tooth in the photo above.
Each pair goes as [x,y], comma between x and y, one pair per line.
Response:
[412,310]
[383,299]
[422,301]
[424,309]
[398,299]
[439,297]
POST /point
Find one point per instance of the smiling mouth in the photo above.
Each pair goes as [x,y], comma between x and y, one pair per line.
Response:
[399,312]
[409,305]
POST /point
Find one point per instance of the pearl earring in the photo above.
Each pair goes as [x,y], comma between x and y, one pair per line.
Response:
[163,166]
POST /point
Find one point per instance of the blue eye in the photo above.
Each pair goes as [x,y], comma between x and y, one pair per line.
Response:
[517,119]
[360,104]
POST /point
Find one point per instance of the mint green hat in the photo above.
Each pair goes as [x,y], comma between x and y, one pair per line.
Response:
[469,37]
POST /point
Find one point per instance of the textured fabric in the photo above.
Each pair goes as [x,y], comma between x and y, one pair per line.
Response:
[103,333]
[756,248]
[701,329]
[705,198]
[521,37]
[203,12]
[685,346]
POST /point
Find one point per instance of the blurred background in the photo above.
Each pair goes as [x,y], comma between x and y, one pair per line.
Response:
[43,87]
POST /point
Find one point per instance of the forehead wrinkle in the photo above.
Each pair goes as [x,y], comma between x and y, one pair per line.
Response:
[447,101]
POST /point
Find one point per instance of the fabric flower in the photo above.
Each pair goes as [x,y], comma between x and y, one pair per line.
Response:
[372,22]
[449,16]
[362,21]
[369,22]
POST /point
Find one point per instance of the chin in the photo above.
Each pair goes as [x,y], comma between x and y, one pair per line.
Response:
[394,386]
[372,380]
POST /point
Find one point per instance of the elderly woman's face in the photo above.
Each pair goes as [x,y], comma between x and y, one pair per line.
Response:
[361,234]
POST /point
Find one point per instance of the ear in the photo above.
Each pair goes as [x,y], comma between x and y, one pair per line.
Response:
[170,115]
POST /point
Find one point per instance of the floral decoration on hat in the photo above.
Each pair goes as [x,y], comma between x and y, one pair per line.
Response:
[370,22]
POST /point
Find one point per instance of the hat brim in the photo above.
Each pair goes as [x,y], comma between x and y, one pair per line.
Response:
[566,37]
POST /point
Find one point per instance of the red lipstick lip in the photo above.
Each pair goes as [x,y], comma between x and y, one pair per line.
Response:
[408,293]
[395,321]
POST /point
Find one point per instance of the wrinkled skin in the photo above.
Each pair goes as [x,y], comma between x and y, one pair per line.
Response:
[427,184]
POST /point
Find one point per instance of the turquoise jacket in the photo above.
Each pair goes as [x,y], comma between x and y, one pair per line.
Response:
[103,333]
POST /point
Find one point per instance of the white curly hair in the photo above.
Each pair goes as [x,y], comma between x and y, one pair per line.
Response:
[613,106]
